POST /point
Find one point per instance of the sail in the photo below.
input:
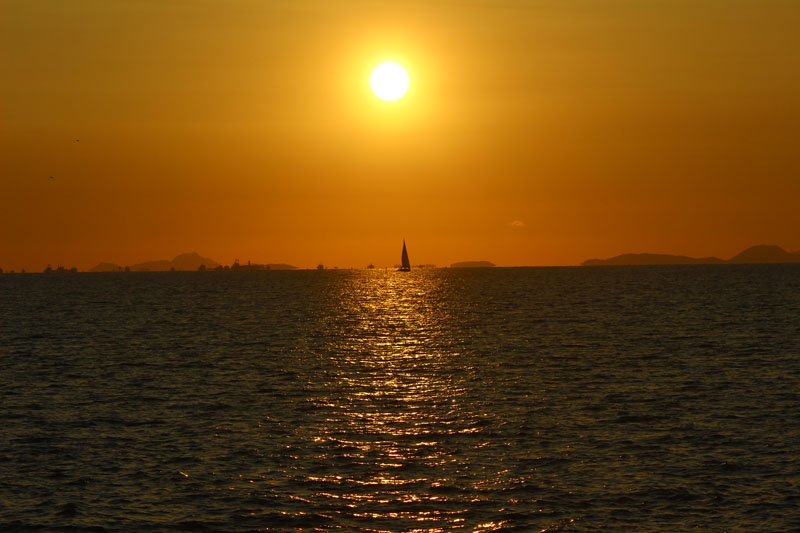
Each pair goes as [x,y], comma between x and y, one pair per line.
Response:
[405,262]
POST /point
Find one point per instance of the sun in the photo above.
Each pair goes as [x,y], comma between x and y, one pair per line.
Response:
[389,81]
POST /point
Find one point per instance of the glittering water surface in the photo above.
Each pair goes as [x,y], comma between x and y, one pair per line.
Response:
[644,398]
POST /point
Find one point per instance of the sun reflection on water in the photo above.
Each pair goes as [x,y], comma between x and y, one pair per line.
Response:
[392,402]
[407,420]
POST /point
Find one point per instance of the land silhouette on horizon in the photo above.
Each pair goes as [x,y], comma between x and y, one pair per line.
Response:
[760,253]
[192,261]
[472,264]
[188,262]
[181,262]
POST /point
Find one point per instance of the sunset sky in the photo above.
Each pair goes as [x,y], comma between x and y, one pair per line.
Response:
[533,132]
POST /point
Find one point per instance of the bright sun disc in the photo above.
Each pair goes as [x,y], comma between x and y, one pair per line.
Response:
[389,81]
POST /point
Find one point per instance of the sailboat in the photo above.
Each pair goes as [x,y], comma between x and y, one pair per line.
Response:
[406,265]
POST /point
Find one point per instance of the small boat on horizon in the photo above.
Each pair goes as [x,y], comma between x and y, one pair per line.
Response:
[405,263]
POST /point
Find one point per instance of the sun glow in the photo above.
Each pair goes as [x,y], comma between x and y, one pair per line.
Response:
[389,81]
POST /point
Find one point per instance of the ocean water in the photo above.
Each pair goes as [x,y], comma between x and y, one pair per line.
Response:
[513,399]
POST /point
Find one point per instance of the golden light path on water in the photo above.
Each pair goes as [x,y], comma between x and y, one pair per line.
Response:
[402,432]
[399,402]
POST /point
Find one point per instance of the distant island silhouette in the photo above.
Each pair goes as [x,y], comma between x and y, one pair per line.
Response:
[472,264]
[761,253]
[254,266]
[188,262]
[182,262]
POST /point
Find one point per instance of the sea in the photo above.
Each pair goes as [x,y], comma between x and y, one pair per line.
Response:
[650,398]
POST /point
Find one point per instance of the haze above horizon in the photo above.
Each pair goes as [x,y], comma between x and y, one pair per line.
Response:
[532,133]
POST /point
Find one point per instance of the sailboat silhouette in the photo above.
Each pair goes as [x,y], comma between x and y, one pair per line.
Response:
[406,265]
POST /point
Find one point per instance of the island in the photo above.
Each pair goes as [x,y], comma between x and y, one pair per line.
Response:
[182,262]
[761,253]
[472,264]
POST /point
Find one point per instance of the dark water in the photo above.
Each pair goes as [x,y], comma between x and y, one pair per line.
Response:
[643,398]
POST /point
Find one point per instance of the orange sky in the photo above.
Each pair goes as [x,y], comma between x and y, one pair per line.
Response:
[246,129]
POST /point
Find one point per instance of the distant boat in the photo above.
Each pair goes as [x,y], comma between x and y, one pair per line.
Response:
[406,264]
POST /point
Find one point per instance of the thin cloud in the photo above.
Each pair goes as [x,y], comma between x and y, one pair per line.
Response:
[517,224]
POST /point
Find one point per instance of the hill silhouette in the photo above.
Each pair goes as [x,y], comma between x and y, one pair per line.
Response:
[760,253]
[472,264]
[764,253]
[188,261]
